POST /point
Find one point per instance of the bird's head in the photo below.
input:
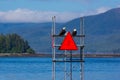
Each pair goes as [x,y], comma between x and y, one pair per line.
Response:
[64,28]
[74,30]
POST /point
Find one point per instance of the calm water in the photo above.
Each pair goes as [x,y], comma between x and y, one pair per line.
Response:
[41,69]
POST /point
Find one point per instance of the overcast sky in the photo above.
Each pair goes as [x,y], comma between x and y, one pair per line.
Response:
[43,10]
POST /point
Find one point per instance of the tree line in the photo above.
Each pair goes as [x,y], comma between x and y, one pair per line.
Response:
[13,43]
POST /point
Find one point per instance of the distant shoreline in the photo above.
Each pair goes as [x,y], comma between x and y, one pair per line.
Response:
[59,55]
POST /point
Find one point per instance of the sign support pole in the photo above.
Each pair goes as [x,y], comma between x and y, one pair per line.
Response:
[82,49]
[71,65]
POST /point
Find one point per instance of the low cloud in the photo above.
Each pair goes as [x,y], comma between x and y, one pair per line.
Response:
[102,10]
[26,15]
[97,11]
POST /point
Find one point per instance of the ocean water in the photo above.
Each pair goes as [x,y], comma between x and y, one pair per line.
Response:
[41,69]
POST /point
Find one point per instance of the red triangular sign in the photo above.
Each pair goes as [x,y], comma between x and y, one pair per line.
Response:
[68,43]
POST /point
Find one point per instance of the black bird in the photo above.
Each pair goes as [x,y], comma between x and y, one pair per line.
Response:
[74,33]
[63,31]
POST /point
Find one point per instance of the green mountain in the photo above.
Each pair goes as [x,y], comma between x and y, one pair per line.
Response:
[102,32]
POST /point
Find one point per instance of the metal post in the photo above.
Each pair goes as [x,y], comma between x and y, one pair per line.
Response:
[65,71]
[82,71]
[82,49]
[54,19]
[53,71]
[53,54]
[70,65]
[81,54]
[81,39]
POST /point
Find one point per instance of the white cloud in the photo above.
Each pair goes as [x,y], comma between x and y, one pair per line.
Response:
[26,15]
[102,10]
[118,5]
[97,11]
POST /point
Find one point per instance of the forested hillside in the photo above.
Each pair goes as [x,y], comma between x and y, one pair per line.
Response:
[13,43]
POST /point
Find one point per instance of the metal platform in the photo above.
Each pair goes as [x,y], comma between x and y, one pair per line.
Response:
[73,36]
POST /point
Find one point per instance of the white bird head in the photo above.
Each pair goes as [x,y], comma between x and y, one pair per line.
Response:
[74,30]
[64,28]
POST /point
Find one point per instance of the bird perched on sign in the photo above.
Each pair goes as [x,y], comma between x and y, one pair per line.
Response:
[74,33]
[63,31]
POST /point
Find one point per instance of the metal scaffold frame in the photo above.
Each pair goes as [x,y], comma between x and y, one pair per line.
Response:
[65,59]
